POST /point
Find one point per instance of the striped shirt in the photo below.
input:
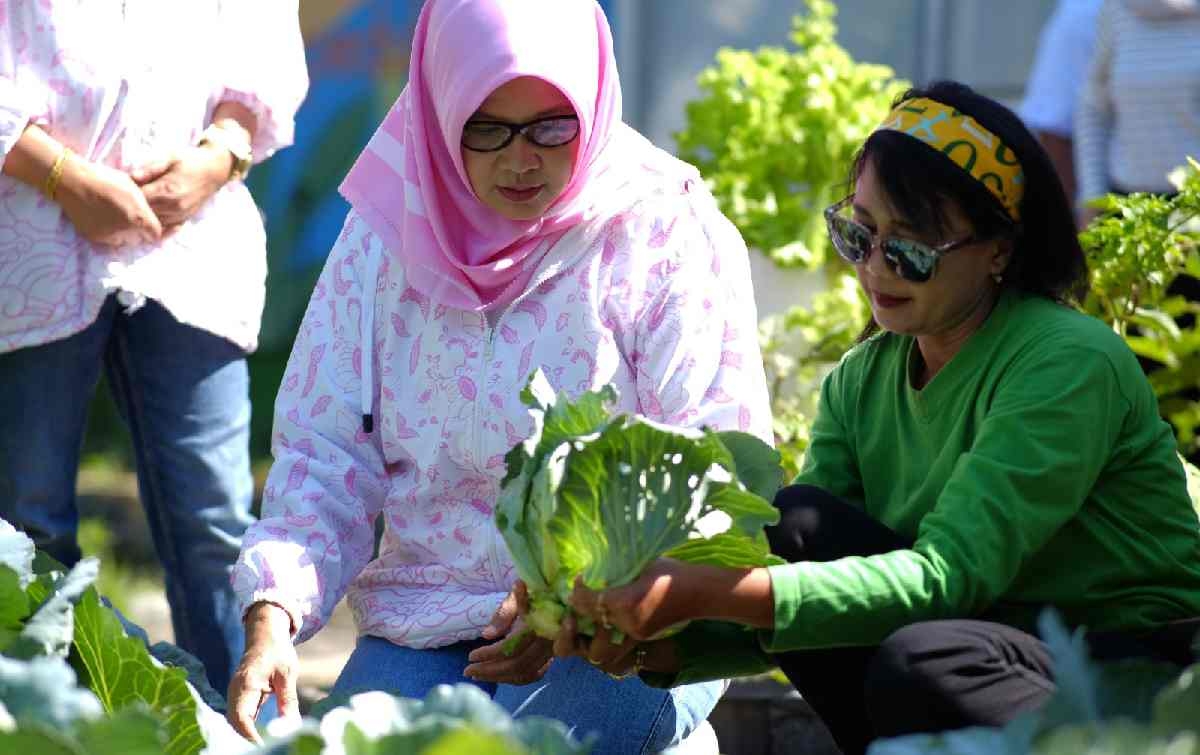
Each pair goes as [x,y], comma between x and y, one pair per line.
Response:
[1139,115]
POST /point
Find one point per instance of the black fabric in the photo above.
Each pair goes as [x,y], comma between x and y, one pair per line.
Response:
[928,676]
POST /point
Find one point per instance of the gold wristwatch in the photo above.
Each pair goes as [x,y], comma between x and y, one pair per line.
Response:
[237,146]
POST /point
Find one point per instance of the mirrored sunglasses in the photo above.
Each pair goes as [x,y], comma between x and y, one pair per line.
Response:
[911,260]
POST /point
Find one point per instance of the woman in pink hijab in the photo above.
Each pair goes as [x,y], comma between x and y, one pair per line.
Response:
[503,219]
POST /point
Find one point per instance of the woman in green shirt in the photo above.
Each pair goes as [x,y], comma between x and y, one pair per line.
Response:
[985,452]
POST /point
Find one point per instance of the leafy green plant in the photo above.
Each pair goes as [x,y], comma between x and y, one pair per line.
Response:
[1136,250]
[76,680]
[56,616]
[451,720]
[595,496]
[775,130]
[799,347]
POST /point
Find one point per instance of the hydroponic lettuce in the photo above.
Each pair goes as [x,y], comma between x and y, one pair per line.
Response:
[598,496]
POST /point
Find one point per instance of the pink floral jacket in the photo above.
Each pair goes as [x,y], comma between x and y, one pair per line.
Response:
[656,300]
[123,83]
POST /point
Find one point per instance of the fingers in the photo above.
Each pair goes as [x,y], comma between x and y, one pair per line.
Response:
[604,652]
[151,226]
[528,664]
[613,658]
[151,171]
[144,220]
[167,200]
[245,698]
[586,602]
[521,594]
[495,651]
[617,608]
[261,672]
[286,697]
[622,665]
[502,620]
[567,643]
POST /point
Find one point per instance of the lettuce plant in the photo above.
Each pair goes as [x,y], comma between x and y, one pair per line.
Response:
[595,496]
[774,131]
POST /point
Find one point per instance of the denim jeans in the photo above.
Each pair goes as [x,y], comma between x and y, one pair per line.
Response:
[184,395]
[629,717]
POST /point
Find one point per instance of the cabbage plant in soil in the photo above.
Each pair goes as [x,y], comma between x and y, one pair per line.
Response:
[597,496]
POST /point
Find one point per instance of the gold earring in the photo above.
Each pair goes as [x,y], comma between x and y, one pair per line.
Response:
[998,277]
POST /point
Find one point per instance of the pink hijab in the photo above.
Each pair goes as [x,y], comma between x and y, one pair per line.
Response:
[409,184]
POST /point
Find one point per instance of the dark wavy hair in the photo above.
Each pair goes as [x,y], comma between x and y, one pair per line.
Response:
[919,182]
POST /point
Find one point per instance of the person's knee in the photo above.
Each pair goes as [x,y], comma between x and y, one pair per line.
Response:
[691,706]
[904,689]
[801,512]
[806,516]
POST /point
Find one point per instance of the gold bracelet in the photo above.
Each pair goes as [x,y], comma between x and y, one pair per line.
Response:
[50,188]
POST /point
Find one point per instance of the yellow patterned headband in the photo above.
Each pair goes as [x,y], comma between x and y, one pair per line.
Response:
[971,146]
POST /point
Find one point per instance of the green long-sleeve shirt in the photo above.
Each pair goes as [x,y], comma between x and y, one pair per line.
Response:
[1033,470]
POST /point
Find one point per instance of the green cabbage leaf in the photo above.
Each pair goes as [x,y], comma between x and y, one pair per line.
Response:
[598,496]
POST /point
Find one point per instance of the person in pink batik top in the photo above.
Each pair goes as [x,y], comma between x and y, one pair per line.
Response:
[129,242]
[503,219]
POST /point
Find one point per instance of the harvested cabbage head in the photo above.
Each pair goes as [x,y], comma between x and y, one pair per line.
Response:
[599,496]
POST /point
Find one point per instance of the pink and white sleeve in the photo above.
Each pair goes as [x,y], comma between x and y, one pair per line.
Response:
[327,484]
[24,95]
[698,359]
[268,73]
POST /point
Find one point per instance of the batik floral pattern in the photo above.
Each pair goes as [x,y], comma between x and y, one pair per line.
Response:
[656,300]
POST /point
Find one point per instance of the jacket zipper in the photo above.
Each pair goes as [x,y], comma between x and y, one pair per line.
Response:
[489,343]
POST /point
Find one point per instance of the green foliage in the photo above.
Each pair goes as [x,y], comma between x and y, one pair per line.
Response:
[58,635]
[62,618]
[1136,250]
[1130,708]
[121,671]
[458,720]
[799,348]
[775,130]
[43,691]
[598,497]
[50,626]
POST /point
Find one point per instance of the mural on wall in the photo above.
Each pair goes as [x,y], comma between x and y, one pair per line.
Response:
[357,53]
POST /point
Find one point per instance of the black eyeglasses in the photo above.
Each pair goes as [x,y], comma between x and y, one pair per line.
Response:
[911,260]
[492,136]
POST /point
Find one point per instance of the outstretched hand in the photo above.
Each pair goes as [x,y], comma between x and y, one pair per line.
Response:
[645,608]
[268,666]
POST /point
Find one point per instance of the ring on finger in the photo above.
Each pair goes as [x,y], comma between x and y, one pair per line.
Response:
[639,659]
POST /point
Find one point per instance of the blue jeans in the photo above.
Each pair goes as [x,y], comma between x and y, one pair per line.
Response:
[184,395]
[629,717]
